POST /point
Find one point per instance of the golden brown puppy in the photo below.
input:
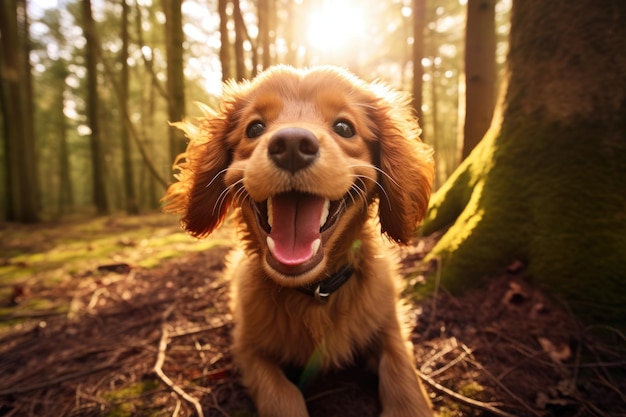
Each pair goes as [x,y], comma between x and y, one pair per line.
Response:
[311,160]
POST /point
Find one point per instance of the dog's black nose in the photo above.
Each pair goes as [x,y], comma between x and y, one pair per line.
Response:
[293,148]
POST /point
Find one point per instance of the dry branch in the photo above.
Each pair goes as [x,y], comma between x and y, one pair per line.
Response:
[479,405]
[158,368]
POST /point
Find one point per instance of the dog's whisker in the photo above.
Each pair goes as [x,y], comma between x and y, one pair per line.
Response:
[389,177]
[361,192]
[223,171]
[222,197]
[381,188]
[377,182]
[217,208]
[356,190]
[241,195]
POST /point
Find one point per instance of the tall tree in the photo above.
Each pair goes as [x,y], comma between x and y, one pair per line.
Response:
[264,38]
[130,196]
[174,38]
[240,37]
[480,71]
[546,186]
[58,72]
[419,24]
[225,53]
[100,198]
[65,188]
[16,99]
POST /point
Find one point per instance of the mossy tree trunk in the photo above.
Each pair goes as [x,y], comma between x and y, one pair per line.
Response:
[547,185]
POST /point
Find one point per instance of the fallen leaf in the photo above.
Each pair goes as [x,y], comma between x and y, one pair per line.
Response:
[559,353]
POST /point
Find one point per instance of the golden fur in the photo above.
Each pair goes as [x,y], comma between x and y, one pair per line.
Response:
[358,153]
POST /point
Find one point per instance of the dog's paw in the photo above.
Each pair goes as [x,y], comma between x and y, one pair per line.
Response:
[287,402]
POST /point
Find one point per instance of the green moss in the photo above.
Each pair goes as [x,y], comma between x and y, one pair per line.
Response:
[45,255]
[133,400]
[547,196]
[472,390]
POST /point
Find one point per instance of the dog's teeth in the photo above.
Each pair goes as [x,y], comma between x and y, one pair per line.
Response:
[315,246]
[271,245]
[270,216]
[325,212]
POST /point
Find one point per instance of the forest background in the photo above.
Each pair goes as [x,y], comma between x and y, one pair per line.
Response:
[88,89]
[90,86]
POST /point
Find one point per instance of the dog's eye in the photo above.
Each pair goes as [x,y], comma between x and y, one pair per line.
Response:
[255,129]
[344,129]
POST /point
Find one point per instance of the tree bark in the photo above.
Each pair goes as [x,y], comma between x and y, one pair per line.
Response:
[225,53]
[263,40]
[17,108]
[436,137]
[147,60]
[419,23]
[128,176]
[480,71]
[66,189]
[174,39]
[240,36]
[100,198]
[546,186]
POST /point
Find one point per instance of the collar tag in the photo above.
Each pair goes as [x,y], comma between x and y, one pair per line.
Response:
[321,297]
[322,291]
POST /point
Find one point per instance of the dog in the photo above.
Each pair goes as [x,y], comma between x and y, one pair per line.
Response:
[316,163]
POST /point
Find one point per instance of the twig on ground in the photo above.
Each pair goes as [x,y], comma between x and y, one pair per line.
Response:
[217,406]
[198,329]
[500,384]
[177,408]
[58,380]
[158,367]
[450,364]
[479,405]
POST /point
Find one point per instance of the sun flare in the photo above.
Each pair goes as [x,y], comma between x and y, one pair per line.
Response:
[336,26]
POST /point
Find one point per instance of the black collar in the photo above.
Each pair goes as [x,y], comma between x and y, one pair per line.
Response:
[321,291]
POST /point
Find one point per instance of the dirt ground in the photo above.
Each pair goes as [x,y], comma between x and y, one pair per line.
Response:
[156,342]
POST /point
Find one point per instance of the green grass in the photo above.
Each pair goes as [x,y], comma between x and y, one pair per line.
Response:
[47,255]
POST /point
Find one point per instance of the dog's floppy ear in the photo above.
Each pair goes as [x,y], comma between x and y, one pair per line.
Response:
[406,164]
[200,194]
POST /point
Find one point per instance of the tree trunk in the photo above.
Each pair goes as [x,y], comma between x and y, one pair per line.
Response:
[546,186]
[419,23]
[93,115]
[290,33]
[240,36]
[225,54]
[174,39]
[436,136]
[66,194]
[17,108]
[128,176]
[480,71]
[147,60]
[263,40]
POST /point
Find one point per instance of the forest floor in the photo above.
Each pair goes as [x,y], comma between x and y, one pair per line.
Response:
[126,316]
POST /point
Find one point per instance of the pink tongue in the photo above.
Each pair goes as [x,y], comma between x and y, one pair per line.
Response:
[296,225]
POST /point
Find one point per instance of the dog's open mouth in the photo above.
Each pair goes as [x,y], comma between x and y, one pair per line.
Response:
[295,226]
